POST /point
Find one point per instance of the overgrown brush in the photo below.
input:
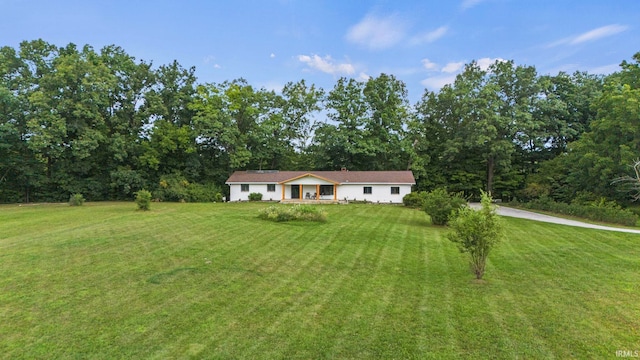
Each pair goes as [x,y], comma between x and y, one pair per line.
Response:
[598,210]
[281,213]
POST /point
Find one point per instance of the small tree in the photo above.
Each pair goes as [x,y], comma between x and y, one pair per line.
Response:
[439,204]
[76,200]
[476,232]
[143,199]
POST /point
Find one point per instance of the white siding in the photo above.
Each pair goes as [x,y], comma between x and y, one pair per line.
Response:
[379,193]
[236,195]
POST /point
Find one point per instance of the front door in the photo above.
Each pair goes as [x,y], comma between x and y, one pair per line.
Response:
[295,191]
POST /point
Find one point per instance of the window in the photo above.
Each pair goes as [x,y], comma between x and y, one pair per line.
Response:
[395,190]
[244,187]
[326,189]
[368,190]
[271,187]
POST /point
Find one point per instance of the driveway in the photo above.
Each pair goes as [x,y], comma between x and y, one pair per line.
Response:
[523,214]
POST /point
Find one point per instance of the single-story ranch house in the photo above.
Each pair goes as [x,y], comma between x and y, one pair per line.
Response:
[373,186]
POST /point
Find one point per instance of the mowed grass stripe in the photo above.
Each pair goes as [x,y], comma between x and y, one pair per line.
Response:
[213,281]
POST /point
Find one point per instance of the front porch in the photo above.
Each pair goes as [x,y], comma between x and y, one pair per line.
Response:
[312,202]
[309,189]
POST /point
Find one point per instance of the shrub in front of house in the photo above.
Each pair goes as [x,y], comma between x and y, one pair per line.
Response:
[414,199]
[76,200]
[439,204]
[255,197]
[280,213]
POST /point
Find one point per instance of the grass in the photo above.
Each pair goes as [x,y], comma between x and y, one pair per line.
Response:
[105,281]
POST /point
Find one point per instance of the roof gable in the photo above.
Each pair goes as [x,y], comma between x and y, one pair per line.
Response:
[308,175]
[336,177]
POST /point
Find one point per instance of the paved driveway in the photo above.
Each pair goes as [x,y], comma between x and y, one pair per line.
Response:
[517,213]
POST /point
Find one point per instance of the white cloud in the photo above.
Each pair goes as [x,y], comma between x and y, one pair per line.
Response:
[468,4]
[605,70]
[452,67]
[272,55]
[377,33]
[599,33]
[363,76]
[430,36]
[484,63]
[591,35]
[326,64]
[437,82]
[217,66]
[428,64]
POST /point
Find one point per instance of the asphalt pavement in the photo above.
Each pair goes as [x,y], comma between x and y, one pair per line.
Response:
[523,214]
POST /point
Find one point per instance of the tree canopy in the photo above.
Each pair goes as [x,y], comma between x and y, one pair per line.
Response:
[76,120]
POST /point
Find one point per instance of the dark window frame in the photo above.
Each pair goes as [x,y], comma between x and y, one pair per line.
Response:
[326,190]
[395,190]
[244,187]
[367,190]
[271,187]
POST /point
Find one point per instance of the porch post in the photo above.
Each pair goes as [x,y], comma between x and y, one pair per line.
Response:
[300,187]
[317,192]
[335,192]
[282,191]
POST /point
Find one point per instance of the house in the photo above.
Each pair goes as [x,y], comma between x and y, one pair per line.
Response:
[373,186]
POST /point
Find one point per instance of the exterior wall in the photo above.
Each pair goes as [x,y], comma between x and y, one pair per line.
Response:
[379,193]
[236,195]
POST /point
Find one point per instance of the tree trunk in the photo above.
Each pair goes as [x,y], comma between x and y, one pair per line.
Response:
[490,169]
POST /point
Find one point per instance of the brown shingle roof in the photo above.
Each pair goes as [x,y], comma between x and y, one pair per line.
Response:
[370,177]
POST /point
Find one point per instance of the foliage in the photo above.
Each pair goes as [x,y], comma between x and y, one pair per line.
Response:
[476,232]
[597,210]
[178,188]
[415,199]
[255,197]
[439,204]
[143,199]
[74,119]
[76,200]
[282,213]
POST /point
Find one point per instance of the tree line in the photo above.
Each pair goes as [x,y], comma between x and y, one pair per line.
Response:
[103,124]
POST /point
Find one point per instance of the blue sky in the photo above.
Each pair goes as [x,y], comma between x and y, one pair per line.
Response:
[272,42]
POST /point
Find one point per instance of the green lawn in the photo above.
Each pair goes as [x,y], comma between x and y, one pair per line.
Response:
[105,281]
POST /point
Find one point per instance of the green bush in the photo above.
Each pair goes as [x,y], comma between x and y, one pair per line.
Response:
[179,189]
[415,199]
[597,210]
[439,205]
[76,200]
[255,197]
[476,232]
[218,197]
[143,199]
[281,213]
